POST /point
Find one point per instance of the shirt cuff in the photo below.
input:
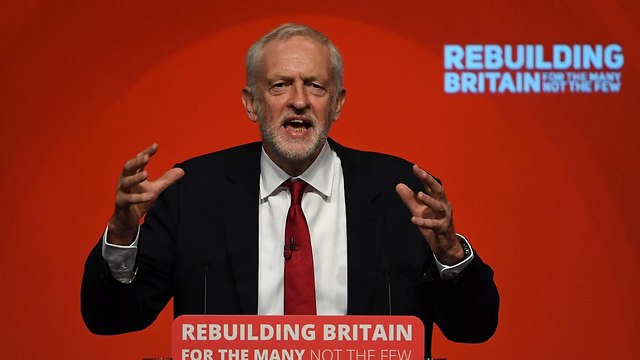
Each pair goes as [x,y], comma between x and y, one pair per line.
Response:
[121,259]
[451,272]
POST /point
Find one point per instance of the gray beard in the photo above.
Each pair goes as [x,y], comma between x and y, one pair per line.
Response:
[270,141]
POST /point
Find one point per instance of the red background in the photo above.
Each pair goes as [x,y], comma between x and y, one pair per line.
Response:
[545,186]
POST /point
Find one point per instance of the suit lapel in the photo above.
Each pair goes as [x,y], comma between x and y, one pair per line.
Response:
[241,219]
[364,230]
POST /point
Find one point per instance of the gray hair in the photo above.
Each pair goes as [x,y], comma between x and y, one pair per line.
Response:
[284,32]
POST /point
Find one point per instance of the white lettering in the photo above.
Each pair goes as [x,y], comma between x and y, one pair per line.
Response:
[613,57]
[197,354]
[532,57]
[493,57]
[453,55]
[187,332]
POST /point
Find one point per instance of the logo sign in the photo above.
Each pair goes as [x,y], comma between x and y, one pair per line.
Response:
[238,337]
[533,68]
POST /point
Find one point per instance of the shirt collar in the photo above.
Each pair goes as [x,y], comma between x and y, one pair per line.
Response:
[319,175]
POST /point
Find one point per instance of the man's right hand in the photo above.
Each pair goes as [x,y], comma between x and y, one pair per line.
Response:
[135,195]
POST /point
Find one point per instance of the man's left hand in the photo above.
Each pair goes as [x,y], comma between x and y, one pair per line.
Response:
[433,216]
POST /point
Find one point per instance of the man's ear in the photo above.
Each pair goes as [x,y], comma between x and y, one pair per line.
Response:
[249,104]
[342,95]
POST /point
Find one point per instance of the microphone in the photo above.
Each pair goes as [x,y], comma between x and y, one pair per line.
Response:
[206,269]
[386,273]
[289,248]
[387,277]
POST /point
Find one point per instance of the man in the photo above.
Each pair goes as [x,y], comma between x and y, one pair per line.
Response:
[216,225]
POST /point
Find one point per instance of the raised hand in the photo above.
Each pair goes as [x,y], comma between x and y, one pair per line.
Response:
[433,215]
[135,195]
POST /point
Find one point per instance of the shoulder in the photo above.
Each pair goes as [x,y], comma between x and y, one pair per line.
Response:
[216,169]
[373,165]
[375,158]
[223,158]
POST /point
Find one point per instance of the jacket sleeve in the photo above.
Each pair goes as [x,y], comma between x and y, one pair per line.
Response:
[111,307]
[466,308]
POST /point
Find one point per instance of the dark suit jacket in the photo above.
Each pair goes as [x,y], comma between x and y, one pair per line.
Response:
[205,229]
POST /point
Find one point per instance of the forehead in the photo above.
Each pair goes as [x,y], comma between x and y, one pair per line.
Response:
[298,54]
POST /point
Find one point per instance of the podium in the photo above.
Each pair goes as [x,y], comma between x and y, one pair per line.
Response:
[252,337]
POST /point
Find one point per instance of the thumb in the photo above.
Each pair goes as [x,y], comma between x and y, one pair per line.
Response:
[169,178]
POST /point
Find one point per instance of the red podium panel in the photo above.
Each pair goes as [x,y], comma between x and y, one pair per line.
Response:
[241,337]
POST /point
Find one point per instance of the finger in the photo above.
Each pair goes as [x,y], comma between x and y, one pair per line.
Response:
[141,160]
[433,204]
[430,183]
[151,150]
[434,225]
[128,182]
[168,178]
[127,199]
[409,198]
[136,164]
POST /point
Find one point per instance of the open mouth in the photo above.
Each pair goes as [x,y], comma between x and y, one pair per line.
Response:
[297,125]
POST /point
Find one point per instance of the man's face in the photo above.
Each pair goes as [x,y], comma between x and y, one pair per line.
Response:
[293,100]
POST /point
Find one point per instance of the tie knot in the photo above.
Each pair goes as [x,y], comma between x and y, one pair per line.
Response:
[296,187]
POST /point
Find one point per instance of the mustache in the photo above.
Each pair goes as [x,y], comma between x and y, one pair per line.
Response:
[306,117]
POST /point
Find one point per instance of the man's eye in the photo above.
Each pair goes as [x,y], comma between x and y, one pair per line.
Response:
[316,89]
[278,87]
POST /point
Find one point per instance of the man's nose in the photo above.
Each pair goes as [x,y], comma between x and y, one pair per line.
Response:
[299,99]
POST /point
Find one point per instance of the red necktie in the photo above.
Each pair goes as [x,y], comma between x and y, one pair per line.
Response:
[299,284]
